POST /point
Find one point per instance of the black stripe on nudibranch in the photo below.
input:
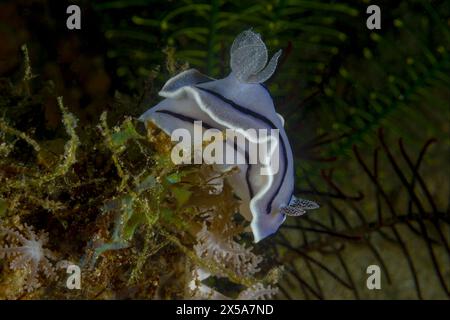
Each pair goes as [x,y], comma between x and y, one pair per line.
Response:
[205,125]
[184,118]
[247,172]
[267,122]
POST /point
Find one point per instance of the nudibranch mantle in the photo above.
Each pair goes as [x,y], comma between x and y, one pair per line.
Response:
[239,102]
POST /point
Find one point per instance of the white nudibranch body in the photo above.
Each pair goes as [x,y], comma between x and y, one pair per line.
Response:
[239,102]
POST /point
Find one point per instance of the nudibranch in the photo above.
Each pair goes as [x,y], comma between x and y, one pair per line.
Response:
[240,102]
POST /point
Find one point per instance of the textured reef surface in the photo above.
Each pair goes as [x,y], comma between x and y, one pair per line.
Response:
[110,201]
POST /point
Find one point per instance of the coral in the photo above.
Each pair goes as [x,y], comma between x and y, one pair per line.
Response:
[217,245]
[258,292]
[226,252]
[198,290]
[26,251]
